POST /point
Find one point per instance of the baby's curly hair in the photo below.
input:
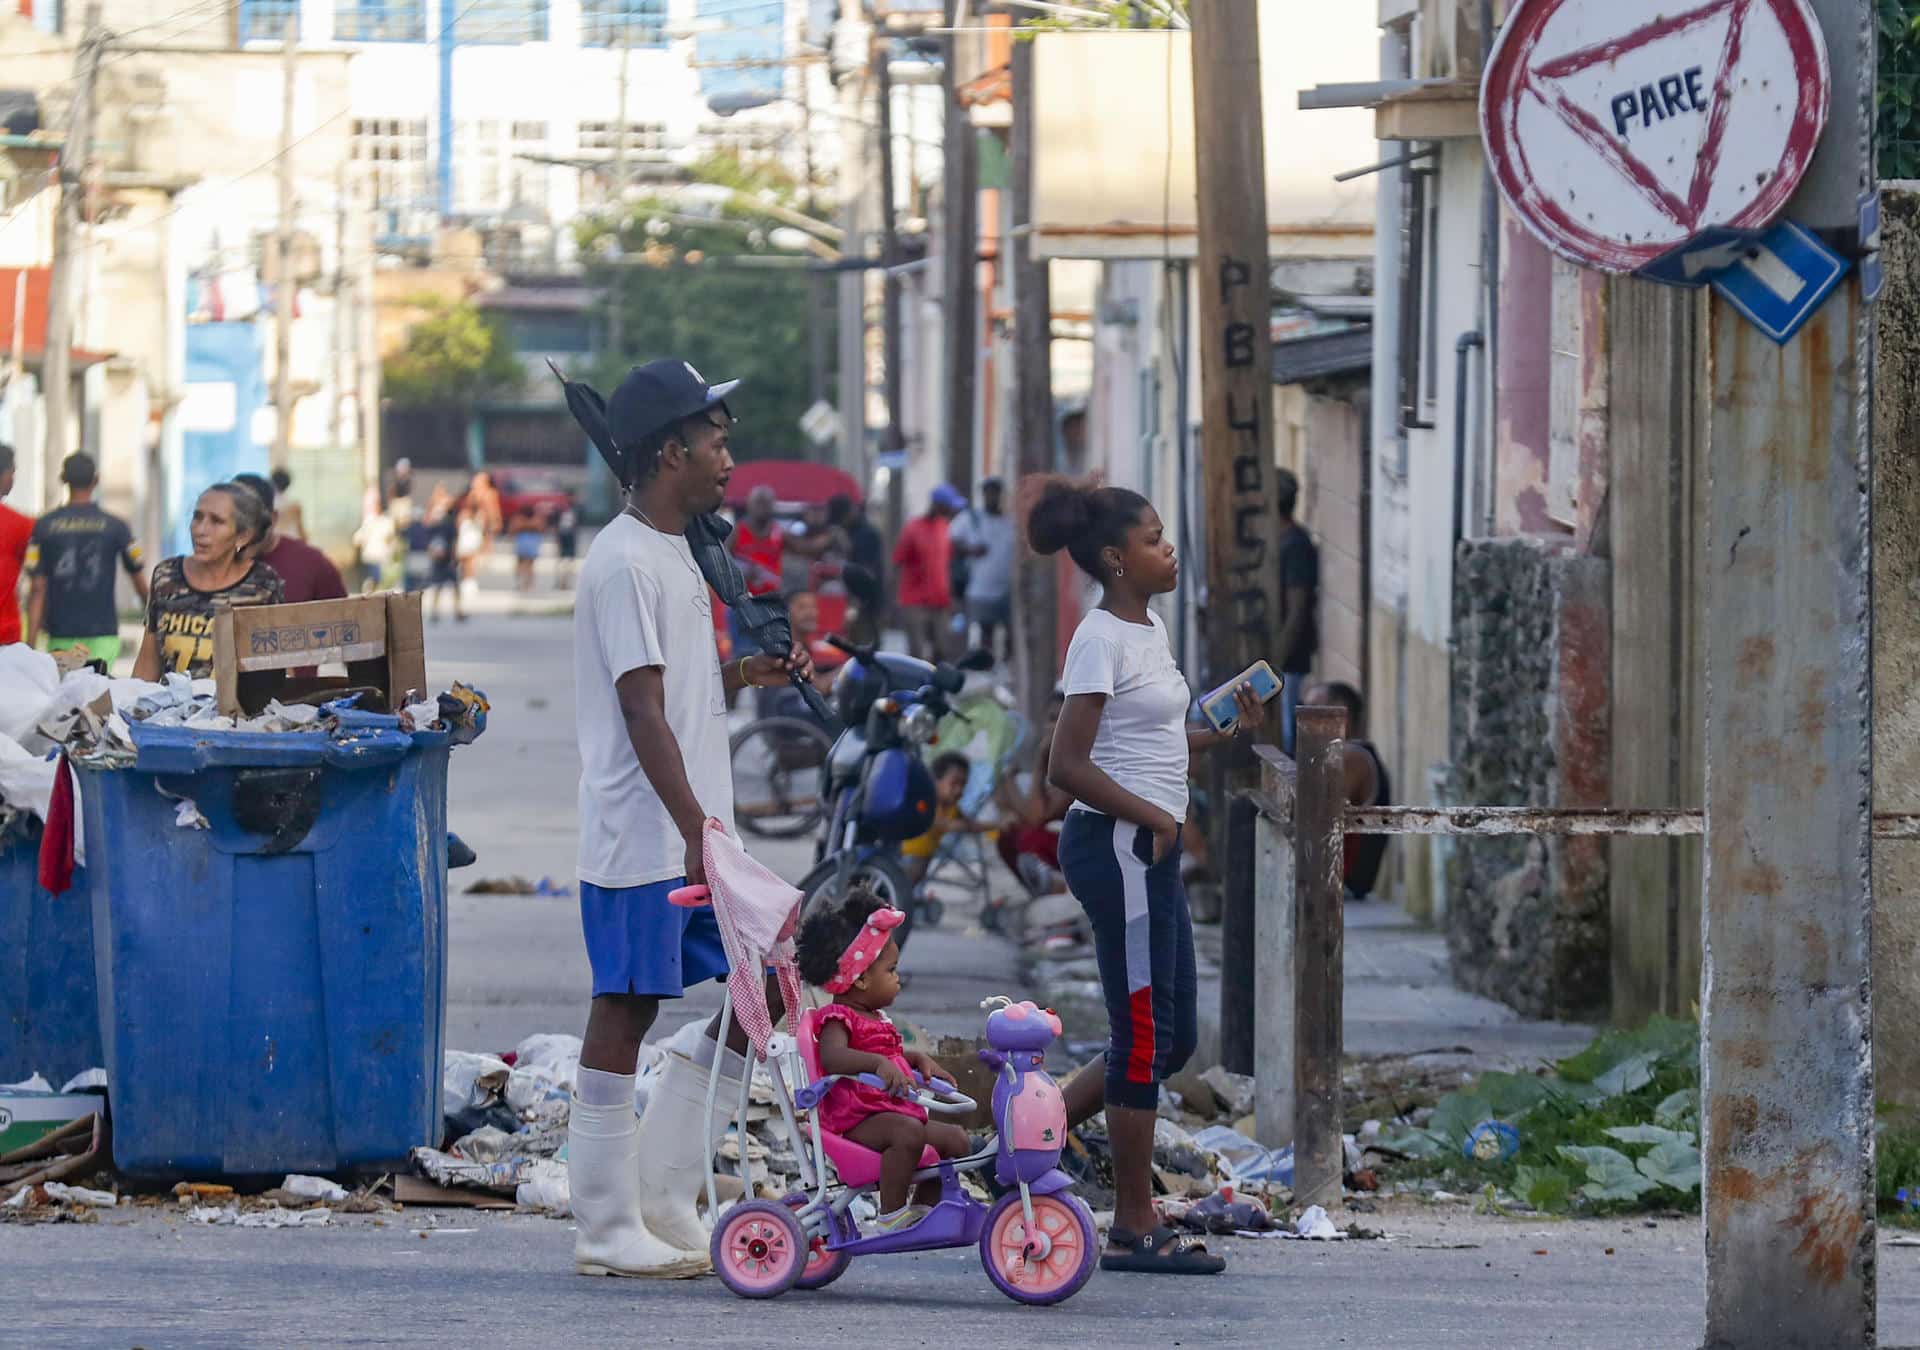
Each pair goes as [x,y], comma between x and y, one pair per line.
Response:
[829,928]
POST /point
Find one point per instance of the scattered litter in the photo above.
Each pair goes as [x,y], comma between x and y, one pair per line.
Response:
[231,1216]
[1314,1225]
[85,1080]
[546,1189]
[545,886]
[314,1188]
[202,1190]
[37,1083]
[48,1192]
[187,815]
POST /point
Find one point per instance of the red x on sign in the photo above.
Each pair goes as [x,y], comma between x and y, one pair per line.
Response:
[1620,128]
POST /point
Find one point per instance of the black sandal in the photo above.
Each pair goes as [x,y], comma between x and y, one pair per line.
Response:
[1161,1252]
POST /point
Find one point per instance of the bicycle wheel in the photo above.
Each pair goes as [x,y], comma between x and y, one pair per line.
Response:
[776,776]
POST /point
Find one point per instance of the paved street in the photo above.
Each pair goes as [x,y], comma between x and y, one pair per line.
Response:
[1444,1278]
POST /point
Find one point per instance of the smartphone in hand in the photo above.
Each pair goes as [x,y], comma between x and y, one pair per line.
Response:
[1219,708]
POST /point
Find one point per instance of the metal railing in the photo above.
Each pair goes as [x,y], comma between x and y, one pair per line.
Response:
[1298,936]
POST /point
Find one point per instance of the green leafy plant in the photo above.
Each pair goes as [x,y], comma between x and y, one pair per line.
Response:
[1898,129]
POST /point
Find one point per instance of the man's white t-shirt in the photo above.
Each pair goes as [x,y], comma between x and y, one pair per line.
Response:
[1142,740]
[989,576]
[642,602]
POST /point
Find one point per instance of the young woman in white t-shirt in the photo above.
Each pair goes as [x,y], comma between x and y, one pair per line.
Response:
[1121,749]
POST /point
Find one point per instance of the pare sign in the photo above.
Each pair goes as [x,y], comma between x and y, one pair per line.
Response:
[1618,129]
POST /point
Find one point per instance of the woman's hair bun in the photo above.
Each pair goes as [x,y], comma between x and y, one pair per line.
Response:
[1059,513]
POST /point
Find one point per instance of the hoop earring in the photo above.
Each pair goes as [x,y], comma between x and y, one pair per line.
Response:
[1119,571]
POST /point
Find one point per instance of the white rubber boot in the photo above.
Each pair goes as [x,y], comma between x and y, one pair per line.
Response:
[674,1149]
[604,1179]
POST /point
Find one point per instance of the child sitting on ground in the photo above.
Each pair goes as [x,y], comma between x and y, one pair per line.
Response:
[846,950]
[950,773]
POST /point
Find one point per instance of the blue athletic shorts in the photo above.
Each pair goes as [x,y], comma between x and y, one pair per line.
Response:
[639,942]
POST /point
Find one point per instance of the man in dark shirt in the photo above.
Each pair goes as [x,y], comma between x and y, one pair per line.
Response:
[306,572]
[1299,606]
[70,557]
[1364,775]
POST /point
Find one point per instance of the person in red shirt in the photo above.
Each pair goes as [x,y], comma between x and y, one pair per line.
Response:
[924,557]
[759,543]
[15,531]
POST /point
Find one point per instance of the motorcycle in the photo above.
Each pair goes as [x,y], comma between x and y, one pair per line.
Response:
[875,784]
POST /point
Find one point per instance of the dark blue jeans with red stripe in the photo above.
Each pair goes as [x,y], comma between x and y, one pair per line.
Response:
[1143,941]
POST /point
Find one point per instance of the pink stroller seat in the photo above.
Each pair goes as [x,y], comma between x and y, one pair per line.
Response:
[856,1164]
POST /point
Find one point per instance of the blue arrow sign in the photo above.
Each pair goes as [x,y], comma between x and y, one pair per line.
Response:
[1778,282]
[1695,262]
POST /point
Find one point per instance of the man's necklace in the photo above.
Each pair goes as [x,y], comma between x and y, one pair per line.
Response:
[700,600]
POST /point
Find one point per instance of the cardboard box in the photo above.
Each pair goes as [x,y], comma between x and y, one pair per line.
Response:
[27,1116]
[379,638]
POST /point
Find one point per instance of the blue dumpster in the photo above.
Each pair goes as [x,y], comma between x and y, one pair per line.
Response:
[49,1020]
[272,987]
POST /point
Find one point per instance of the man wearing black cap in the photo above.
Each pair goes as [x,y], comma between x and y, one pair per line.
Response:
[651,716]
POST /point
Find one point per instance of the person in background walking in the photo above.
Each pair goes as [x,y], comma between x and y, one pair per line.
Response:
[305,572]
[288,518]
[15,531]
[441,524]
[402,484]
[866,561]
[529,529]
[759,545]
[482,508]
[1121,748]
[924,557]
[71,559]
[1299,640]
[566,539]
[230,526]
[985,538]
[1365,776]
[377,541]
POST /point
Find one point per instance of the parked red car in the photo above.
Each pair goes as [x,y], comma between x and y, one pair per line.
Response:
[542,490]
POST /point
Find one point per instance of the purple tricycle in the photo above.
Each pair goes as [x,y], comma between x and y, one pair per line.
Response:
[1037,1240]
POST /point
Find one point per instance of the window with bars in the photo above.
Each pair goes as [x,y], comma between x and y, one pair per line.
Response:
[381,21]
[529,177]
[641,136]
[394,151]
[501,21]
[477,166]
[268,20]
[615,23]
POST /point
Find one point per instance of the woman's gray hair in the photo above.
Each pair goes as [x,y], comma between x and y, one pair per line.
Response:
[251,517]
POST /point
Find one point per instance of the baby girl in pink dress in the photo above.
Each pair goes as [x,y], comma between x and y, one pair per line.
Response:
[846,950]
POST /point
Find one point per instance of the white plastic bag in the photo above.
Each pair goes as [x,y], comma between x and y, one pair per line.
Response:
[27,681]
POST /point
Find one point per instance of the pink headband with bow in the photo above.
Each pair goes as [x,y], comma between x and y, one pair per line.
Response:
[865,948]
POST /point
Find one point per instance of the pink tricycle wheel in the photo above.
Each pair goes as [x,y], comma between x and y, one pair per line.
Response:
[1050,1264]
[824,1265]
[758,1250]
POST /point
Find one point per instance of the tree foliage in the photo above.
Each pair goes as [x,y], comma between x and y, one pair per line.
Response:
[455,357]
[686,283]
[1899,89]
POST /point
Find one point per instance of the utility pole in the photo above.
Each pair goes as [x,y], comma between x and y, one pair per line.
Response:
[960,228]
[1036,609]
[283,287]
[891,335]
[616,299]
[1787,922]
[366,384]
[850,41]
[336,375]
[1242,609]
[56,368]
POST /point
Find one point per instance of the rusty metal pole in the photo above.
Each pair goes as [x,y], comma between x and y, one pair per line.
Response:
[1273,946]
[1319,951]
[1788,917]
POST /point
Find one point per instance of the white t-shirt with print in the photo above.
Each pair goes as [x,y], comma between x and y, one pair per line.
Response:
[1142,740]
[642,602]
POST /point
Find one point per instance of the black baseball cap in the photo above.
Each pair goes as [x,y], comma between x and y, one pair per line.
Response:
[657,395]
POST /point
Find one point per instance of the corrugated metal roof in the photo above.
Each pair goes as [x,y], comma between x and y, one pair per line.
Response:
[1323,355]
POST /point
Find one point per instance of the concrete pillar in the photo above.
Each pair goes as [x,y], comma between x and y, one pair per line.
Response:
[1896,650]
[1787,993]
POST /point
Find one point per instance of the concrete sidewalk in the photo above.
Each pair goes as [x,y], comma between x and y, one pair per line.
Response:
[1400,1000]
